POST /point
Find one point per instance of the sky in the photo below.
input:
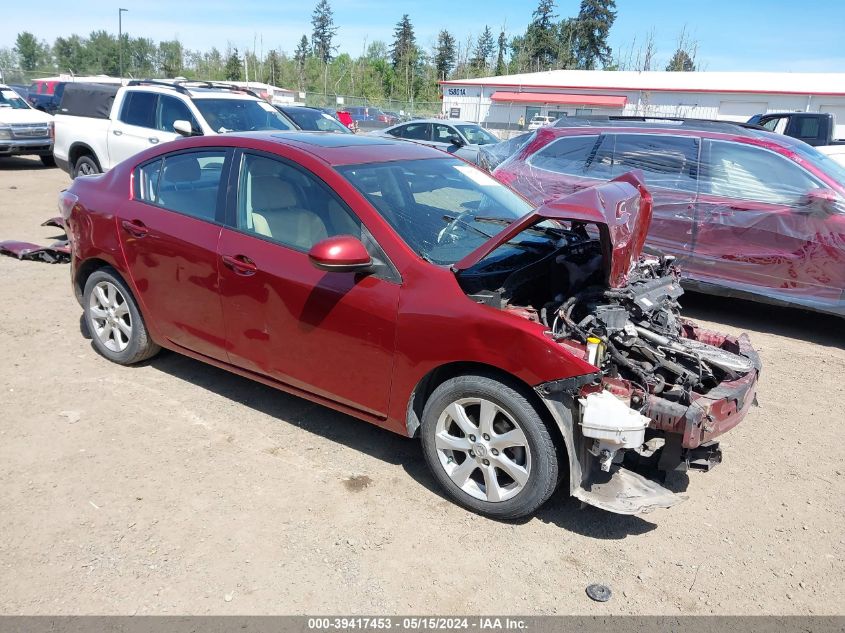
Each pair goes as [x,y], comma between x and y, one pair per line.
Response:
[775,35]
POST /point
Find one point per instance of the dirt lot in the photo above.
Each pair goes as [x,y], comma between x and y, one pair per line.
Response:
[174,487]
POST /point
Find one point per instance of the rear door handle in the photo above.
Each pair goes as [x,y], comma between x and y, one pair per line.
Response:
[240,264]
[153,139]
[135,228]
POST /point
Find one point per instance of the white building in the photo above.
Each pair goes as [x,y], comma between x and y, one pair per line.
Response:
[498,102]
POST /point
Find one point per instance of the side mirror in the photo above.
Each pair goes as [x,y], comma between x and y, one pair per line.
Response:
[456,140]
[183,127]
[340,254]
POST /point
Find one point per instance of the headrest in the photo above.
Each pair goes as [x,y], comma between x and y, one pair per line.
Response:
[181,169]
[265,167]
[268,192]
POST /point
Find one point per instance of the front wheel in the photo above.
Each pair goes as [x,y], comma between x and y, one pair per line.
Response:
[488,447]
[117,329]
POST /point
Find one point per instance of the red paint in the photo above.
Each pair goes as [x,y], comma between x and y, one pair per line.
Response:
[342,251]
[609,101]
[353,341]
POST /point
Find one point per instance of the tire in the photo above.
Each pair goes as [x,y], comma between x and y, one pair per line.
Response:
[116,326]
[85,165]
[48,161]
[497,458]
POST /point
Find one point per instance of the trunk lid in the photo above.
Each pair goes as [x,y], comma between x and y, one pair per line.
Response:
[620,208]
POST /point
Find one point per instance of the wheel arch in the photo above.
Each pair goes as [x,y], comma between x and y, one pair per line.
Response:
[437,376]
[77,150]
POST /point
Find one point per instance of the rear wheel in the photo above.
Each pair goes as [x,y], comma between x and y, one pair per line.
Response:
[117,329]
[488,447]
[85,166]
[48,161]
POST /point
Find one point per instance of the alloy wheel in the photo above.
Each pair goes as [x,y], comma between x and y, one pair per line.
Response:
[482,449]
[110,318]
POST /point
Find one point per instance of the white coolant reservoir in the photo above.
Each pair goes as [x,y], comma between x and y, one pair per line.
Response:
[613,423]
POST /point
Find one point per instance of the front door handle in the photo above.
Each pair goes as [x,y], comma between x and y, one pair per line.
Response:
[117,132]
[153,139]
[135,228]
[240,264]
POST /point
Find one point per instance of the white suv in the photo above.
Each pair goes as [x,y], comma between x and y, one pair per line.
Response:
[98,126]
[23,129]
[538,121]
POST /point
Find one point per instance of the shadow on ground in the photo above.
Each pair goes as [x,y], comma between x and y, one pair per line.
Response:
[16,163]
[388,447]
[813,327]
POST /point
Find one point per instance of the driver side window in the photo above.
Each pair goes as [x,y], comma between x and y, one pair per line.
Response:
[443,133]
[170,110]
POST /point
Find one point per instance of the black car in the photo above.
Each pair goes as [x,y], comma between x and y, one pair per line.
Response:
[313,119]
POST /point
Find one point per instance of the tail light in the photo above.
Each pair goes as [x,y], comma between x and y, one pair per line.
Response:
[66,203]
[383,118]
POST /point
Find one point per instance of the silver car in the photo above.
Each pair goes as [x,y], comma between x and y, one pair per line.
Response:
[460,138]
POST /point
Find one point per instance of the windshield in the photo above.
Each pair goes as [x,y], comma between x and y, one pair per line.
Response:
[315,120]
[240,115]
[442,208]
[477,135]
[11,99]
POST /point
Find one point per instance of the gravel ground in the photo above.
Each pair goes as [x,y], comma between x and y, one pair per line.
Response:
[174,487]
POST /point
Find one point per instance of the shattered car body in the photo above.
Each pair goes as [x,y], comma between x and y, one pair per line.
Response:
[605,303]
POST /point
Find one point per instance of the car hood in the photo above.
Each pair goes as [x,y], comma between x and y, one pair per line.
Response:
[621,209]
[12,116]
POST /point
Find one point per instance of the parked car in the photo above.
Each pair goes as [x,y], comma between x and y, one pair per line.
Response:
[47,101]
[24,131]
[456,137]
[745,212]
[538,121]
[98,126]
[814,128]
[370,117]
[410,289]
[313,119]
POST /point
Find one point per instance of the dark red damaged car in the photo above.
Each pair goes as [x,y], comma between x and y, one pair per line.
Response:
[409,289]
[745,212]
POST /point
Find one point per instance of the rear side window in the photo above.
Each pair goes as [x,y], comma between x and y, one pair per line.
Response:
[808,127]
[139,108]
[567,155]
[413,131]
[187,183]
[670,162]
[745,172]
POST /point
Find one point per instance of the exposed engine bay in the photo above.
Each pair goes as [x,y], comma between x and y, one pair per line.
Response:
[668,378]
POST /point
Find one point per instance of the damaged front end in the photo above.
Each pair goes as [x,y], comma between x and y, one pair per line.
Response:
[663,390]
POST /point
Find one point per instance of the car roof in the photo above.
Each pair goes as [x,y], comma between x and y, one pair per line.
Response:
[342,149]
[433,120]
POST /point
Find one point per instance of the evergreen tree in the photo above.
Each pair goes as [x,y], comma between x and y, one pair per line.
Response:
[484,48]
[324,31]
[681,62]
[501,67]
[593,27]
[233,66]
[404,54]
[567,40]
[541,36]
[445,54]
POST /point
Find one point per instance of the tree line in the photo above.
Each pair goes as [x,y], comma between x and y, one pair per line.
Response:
[401,69]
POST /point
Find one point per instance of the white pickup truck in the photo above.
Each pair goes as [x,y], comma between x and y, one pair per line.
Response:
[98,126]
[23,129]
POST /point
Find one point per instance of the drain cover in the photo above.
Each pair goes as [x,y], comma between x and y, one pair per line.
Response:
[599,593]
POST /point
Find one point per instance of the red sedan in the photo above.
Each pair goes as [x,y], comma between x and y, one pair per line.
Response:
[413,291]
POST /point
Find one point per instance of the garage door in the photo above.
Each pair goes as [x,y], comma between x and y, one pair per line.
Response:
[839,112]
[741,110]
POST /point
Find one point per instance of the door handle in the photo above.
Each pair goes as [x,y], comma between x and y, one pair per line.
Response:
[240,264]
[135,228]
[117,132]
[153,140]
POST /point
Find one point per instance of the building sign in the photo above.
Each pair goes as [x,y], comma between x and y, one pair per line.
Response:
[456,92]
[454,113]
